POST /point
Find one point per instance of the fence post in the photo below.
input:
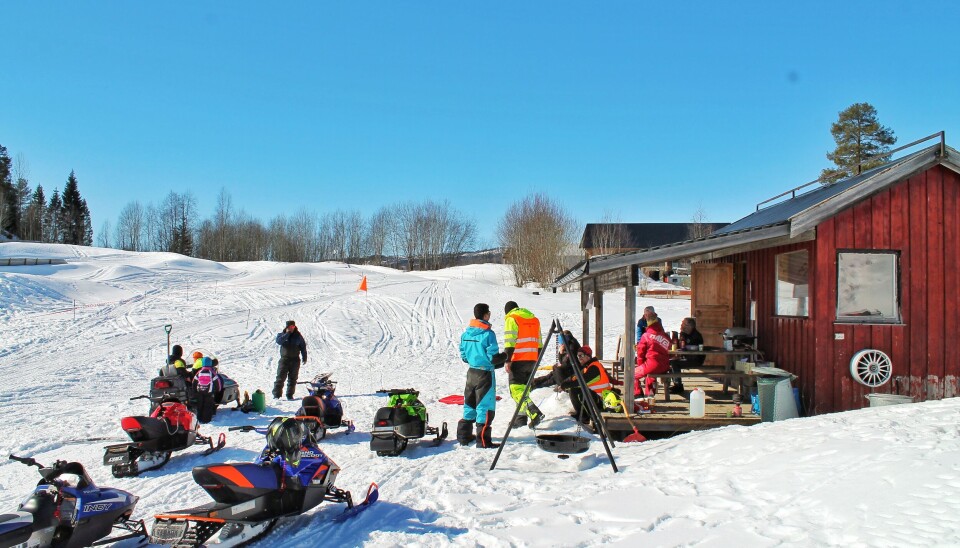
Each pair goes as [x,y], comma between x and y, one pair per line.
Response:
[74,310]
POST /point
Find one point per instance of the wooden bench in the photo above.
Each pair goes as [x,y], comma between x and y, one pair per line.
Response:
[727,376]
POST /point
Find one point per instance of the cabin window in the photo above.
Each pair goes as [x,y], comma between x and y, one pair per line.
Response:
[868,286]
[793,285]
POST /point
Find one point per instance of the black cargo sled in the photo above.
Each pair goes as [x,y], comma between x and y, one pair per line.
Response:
[405,418]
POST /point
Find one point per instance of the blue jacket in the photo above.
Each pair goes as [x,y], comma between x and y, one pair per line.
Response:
[292,344]
[478,345]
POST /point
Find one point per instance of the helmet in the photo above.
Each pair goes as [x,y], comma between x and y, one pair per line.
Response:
[284,435]
[207,362]
[197,355]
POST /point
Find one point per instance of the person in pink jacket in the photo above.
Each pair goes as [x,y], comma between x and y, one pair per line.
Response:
[653,354]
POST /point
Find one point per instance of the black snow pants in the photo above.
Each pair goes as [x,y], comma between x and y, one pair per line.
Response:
[289,369]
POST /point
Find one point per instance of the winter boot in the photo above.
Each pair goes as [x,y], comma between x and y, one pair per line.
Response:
[521,420]
[535,414]
[484,440]
[465,432]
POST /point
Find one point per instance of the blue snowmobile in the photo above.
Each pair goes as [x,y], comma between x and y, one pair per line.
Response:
[68,510]
[322,403]
[291,476]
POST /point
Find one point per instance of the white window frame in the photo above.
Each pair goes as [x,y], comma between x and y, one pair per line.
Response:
[878,295]
[800,293]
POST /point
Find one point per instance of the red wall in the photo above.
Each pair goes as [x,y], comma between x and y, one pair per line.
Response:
[920,217]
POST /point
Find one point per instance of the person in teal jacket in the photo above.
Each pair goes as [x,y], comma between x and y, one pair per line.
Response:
[479,349]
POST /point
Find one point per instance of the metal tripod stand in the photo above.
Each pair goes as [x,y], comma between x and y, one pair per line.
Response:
[588,402]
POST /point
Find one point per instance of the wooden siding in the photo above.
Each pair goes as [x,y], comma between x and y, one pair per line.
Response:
[920,218]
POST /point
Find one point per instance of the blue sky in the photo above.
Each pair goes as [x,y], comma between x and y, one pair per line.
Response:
[644,112]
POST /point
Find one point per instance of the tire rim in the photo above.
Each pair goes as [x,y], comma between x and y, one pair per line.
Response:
[871,368]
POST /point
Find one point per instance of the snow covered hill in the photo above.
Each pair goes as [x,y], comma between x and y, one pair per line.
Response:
[78,340]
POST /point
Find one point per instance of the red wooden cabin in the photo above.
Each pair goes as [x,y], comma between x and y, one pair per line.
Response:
[865,269]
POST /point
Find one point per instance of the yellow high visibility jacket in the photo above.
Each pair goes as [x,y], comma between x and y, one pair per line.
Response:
[521,332]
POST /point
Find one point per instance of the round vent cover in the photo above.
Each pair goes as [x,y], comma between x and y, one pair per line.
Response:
[871,367]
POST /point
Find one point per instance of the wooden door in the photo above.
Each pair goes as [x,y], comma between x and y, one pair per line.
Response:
[712,300]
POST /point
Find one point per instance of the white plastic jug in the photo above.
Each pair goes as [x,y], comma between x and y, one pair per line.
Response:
[698,403]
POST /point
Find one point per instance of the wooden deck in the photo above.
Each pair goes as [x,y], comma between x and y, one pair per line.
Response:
[674,416]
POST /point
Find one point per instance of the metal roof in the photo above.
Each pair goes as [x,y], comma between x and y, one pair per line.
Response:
[639,235]
[783,211]
[786,220]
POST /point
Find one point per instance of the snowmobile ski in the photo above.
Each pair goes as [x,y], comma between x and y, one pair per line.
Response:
[373,493]
[221,443]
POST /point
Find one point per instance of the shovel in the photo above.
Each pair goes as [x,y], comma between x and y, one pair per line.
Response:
[636,436]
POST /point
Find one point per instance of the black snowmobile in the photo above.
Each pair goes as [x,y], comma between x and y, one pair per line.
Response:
[66,510]
[403,419]
[322,403]
[205,406]
[291,476]
[171,427]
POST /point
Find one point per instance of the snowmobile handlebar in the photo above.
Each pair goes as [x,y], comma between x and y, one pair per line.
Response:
[247,428]
[398,391]
[140,398]
[29,461]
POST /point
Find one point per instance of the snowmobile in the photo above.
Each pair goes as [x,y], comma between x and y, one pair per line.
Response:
[323,404]
[67,509]
[171,427]
[403,419]
[291,476]
[184,390]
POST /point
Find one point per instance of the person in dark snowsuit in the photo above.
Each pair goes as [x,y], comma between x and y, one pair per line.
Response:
[479,349]
[597,379]
[176,365]
[563,369]
[292,348]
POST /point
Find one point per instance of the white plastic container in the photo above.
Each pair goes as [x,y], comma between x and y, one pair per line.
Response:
[698,403]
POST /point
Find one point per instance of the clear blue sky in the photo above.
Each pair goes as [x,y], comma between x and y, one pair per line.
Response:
[643,111]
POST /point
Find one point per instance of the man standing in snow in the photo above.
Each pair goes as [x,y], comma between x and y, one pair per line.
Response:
[292,347]
[478,348]
[522,342]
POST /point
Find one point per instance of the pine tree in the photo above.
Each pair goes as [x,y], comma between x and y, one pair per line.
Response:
[52,221]
[87,237]
[861,143]
[35,216]
[75,215]
[8,201]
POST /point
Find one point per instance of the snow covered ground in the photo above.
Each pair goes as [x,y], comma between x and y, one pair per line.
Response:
[873,477]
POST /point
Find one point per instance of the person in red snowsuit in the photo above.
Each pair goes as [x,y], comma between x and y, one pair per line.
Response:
[653,354]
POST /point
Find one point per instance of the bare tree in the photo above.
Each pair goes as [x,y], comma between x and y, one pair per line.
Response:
[609,235]
[378,230]
[103,237]
[535,234]
[699,227]
[130,233]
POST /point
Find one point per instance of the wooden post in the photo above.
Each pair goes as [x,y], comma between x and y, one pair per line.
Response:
[584,296]
[598,328]
[629,338]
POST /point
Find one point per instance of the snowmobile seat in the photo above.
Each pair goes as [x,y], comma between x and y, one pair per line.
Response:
[239,482]
[142,429]
[16,528]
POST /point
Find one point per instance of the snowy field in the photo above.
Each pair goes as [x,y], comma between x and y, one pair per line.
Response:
[886,476]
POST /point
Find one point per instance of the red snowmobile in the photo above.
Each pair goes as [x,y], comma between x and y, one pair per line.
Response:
[171,427]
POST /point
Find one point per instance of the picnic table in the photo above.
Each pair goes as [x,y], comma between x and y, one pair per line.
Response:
[725,370]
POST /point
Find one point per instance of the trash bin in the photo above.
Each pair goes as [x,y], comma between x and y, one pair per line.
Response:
[777,401]
[879,400]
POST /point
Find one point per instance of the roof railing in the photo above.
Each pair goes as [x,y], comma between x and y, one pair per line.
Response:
[793,191]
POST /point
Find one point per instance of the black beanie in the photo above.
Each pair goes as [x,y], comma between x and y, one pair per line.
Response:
[291,323]
[509,306]
[177,351]
[480,310]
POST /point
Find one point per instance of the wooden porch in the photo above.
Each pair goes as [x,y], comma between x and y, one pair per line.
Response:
[673,417]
